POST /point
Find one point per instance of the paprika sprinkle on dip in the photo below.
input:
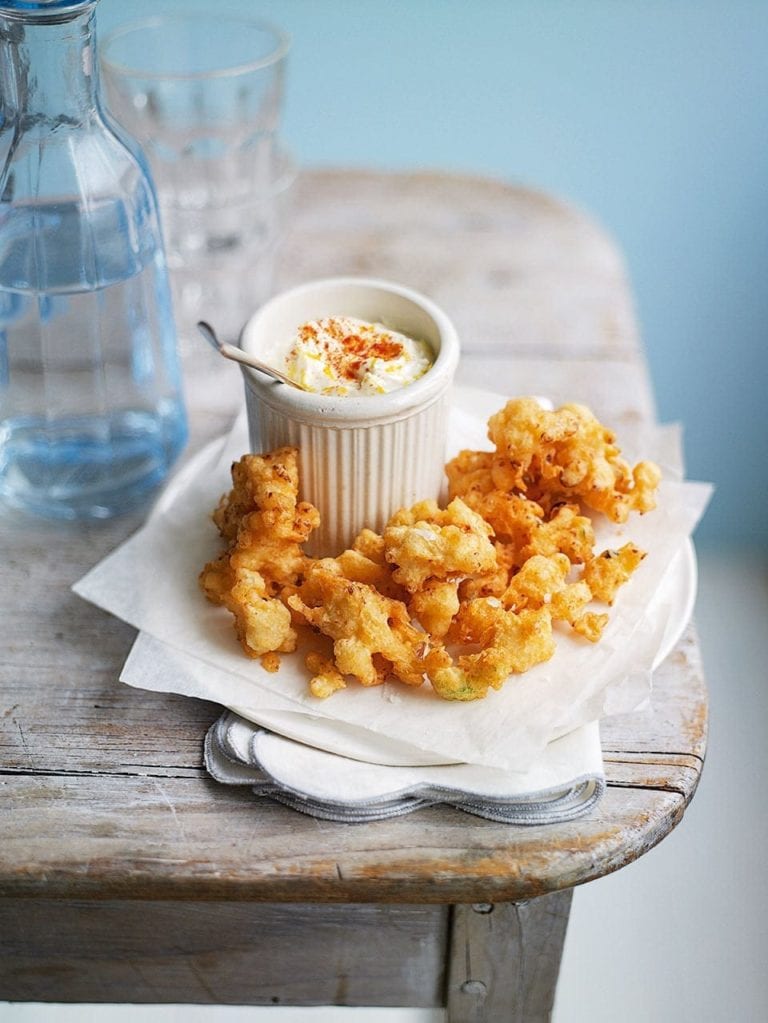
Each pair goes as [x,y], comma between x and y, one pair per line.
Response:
[341,355]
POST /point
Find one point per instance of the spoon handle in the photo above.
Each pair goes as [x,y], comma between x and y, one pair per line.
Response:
[244,358]
[209,334]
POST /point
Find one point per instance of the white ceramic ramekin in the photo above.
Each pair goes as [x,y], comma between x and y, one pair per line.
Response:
[361,457]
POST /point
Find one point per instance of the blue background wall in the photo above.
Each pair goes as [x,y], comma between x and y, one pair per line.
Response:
[653,116]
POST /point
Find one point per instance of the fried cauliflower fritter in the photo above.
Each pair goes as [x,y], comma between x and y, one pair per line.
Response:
[514,518]
[326,678]
[489,576]
[610,570]
[509,643]
[565,531]
[372,634]
[364,562]
[543,582]
[426,542]
[217,579]
[567,453]
[262,623]
[493,583]
[526,530]
[470,473]
[263,485]
[265,526]
[263,521]
[435,605]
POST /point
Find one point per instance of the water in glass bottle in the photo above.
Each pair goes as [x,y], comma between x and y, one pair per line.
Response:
[91,410]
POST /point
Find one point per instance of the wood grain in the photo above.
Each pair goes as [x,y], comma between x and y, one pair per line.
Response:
[185,838]
[222,953]
[515,269]
[504,960]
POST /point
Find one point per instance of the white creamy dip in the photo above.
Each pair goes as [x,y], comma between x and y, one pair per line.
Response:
[341,355]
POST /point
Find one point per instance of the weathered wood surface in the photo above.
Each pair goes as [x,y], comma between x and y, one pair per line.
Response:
[102,789]
[222,953]
[504,960]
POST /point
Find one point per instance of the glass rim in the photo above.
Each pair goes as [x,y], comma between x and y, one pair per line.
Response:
[45,11]
[282,46]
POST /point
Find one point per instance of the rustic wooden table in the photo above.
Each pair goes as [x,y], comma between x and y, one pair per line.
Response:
[126,875]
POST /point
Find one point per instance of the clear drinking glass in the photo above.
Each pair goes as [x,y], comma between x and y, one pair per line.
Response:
[91,413]
[204,95]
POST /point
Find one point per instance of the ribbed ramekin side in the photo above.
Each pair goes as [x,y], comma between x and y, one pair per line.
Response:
[358,476]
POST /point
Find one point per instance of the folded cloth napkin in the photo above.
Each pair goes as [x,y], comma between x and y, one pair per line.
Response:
[567,780]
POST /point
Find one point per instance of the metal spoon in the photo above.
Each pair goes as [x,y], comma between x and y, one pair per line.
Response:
[244,358]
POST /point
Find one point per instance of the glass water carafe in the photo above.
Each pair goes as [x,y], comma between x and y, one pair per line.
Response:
[91,410]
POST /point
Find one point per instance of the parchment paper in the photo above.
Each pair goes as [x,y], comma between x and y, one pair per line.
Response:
[151,583]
